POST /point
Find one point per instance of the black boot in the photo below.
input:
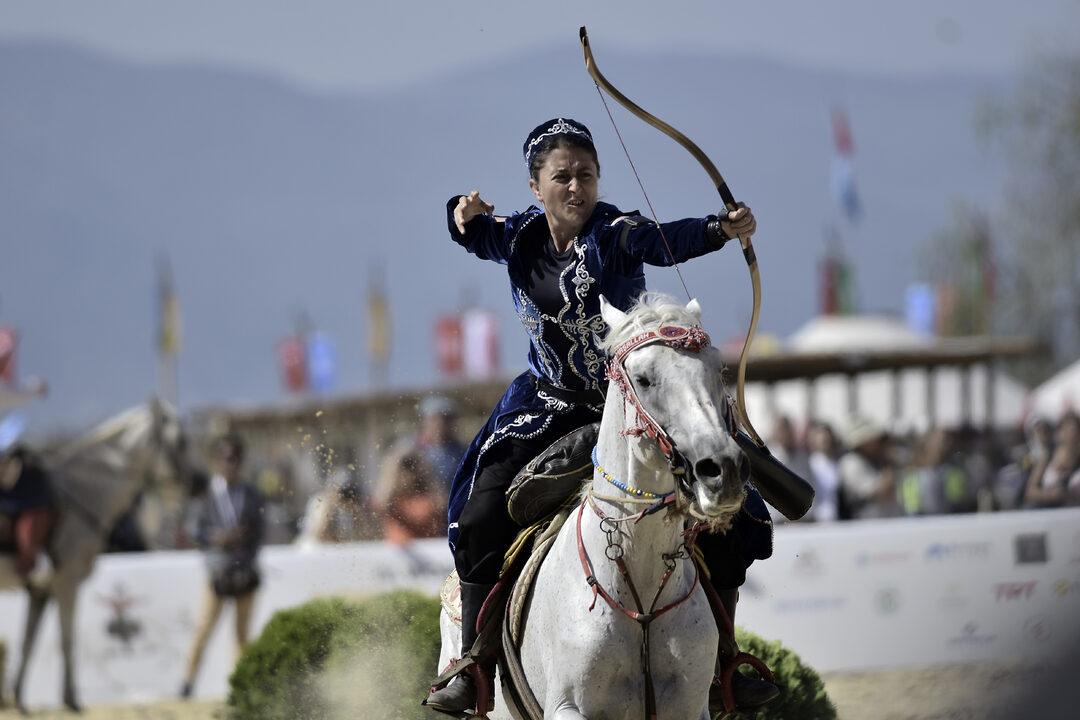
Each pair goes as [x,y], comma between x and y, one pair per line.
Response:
[748,692]
[460,695]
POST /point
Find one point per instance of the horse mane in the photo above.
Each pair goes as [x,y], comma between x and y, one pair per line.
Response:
[651,311]
[133,419]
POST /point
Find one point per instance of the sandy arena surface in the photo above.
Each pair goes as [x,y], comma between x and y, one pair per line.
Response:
[969,692]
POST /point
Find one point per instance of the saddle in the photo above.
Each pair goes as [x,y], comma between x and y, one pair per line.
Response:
[548,480]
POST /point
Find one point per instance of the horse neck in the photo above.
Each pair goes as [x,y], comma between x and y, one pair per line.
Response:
[104,474]
[644,541]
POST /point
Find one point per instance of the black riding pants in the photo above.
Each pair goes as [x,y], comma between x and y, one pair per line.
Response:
[485,529]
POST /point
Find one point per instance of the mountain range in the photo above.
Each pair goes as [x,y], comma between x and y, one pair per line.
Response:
[273,201]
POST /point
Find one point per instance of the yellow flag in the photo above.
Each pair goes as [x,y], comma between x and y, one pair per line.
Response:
[378,324]
[168,313]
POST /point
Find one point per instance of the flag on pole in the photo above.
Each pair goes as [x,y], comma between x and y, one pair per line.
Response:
[292,352]
[843,172]
[168,313]
[378,336]
[321,365]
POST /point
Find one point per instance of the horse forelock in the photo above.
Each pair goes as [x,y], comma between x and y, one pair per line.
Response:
[651,311]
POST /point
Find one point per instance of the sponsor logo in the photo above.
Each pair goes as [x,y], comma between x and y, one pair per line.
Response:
[954,598]
[810,604]
[1064,588]
[808,564]
[958,551]
[971,636]
[1037,628]
[1010,591]
[1030,548]
[882,558]
[887,601]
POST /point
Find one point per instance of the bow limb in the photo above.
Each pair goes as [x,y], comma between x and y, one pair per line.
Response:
[725,195]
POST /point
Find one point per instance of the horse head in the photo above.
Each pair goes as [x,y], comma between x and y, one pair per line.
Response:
[671,382]
[166,441]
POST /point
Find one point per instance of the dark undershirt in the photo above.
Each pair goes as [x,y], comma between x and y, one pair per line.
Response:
[544,269]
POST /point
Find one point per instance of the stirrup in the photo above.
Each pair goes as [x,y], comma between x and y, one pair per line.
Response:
[482,682]
[729,667]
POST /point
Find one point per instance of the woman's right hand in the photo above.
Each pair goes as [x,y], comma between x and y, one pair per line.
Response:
[468,207]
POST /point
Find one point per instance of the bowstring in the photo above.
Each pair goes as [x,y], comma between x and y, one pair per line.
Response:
[648,202]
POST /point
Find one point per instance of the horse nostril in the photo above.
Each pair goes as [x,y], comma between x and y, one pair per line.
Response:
[744,468]
[707,468]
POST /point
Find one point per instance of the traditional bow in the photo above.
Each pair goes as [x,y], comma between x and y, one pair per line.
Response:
[725,195]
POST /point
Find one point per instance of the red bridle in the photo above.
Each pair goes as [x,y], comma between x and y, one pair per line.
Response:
[692,338]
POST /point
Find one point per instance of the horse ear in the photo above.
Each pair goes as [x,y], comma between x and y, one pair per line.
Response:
[694,308]
[613,316]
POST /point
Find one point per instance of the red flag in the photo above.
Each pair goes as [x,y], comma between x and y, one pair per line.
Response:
[845,146]
[292,352]
[449,353]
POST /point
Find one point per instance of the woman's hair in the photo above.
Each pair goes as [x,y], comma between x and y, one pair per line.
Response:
[562,140]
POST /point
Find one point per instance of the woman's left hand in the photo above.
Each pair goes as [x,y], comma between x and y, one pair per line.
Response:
[738,223]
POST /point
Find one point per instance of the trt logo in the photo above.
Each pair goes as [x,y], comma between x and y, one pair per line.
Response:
[1014,590]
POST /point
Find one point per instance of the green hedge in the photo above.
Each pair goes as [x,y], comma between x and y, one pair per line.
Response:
[374,657]
[802,692]
[332,658]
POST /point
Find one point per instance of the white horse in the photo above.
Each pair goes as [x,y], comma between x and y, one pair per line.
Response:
[95,479]
[580,651]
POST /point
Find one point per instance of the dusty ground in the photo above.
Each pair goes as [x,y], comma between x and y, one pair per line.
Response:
[946,693]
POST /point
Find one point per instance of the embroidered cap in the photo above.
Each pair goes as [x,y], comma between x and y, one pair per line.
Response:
[558,126]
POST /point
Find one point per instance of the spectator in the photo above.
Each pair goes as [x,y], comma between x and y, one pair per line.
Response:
[934,485]
[339,513]
[409,499]
[867,477]
[437,440]
[1056,481]
[785,448]
[226,521]
[824,472]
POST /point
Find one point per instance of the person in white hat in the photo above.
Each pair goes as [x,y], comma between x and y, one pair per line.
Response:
[867,478]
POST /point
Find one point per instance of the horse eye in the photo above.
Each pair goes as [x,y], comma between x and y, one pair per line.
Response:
[642,381]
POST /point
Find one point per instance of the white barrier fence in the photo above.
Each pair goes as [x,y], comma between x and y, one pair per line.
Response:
[848,596]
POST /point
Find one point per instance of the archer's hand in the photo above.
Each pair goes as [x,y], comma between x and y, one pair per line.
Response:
[738,223]
[468,207]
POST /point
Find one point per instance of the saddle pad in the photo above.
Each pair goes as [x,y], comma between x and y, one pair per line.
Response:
[554,475]
[519,594]
[450,592]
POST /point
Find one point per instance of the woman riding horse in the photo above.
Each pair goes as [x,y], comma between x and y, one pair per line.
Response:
[561,259]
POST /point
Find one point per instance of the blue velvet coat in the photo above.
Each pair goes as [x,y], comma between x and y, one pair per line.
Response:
[610,254]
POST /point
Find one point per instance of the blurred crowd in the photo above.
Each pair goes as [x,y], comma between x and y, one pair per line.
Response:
[319,496]
[863,471]
[859,469]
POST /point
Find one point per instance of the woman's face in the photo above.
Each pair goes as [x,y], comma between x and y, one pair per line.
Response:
[567,186]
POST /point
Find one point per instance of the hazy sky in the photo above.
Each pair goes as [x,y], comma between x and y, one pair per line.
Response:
[356,44]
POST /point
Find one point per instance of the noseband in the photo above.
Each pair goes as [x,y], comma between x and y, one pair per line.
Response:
[692,338]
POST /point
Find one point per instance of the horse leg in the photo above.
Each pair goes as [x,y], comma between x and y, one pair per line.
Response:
[35,609]
[3,672]
[566,713]
[65,601]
